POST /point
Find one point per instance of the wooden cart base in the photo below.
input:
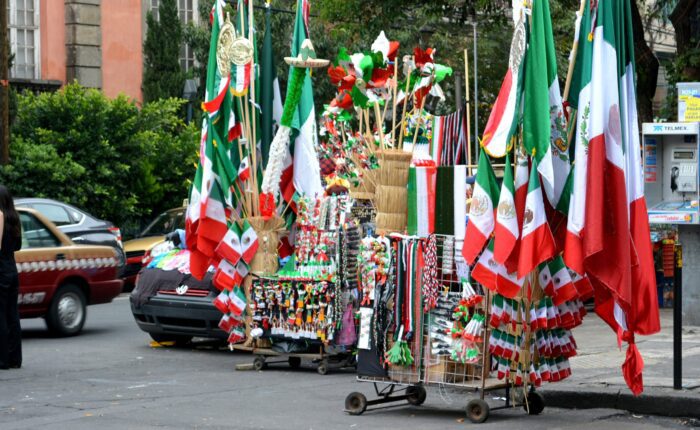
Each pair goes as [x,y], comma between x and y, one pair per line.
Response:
[323,361]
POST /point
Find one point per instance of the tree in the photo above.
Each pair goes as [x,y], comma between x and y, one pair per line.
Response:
[119,162]
[163,77]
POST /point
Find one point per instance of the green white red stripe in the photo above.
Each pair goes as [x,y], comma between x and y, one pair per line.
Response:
[507,230]
[537,243]
[482,219]
[421,200]
[503,120]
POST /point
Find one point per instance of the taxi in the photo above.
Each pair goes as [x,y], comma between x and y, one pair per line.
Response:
[58,279]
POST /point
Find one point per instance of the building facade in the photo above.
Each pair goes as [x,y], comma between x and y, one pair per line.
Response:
[98,43]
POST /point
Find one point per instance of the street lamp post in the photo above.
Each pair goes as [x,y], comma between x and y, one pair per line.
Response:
[189,93]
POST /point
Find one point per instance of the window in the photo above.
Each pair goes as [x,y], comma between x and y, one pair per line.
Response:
[35,234]
[188,10]
[56,214]
[23,23]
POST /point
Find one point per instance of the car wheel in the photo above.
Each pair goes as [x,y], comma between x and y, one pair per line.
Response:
[67,312]
[178,340]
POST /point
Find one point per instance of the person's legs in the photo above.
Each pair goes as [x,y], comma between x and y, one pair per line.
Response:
[14,328]
[4,329]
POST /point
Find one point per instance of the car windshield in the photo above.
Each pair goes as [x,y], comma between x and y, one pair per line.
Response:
[164,224]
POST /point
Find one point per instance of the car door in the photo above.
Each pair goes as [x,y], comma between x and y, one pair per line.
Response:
[37,264]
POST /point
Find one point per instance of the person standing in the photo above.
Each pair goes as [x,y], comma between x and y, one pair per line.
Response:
[10,241]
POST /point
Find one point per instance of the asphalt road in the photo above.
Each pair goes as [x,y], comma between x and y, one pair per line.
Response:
[109,377]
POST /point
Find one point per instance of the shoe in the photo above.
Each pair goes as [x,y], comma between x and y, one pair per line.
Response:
[15,366]
[4,367]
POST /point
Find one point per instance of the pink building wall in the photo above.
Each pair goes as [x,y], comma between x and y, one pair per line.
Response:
[53,40]
[122,47]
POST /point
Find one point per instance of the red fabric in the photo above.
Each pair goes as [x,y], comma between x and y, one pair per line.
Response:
[535,248]
[199,263]
[498,108]
[644,315]
[520,199]
[632,368]
[606,242]
[484,276]
[504,244]
[474,242]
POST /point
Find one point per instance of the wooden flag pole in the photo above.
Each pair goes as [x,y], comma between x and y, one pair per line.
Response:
[393,102]
[569,77]
[572,58]
[403,112]
[469,123]
[254,142]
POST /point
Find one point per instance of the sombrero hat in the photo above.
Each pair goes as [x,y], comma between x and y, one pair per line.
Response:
[306,57]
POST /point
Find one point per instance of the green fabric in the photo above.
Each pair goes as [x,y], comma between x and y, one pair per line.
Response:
[444,200]
[412,227]
[536,120]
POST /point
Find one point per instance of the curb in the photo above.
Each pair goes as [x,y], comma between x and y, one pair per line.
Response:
[669,404]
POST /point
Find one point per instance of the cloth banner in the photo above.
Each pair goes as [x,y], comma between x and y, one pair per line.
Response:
[421,200]
[449,143]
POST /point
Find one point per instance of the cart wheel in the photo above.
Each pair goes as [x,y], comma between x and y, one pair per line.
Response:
[355,403]
[416,395]
[535,403]
[477,411]
[322,368]
[259,363]
[294,362]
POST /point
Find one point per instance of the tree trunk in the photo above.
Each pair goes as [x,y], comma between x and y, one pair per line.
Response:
[647,68]
[685,39]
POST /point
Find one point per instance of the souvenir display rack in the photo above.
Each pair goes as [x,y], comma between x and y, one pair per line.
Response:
[440,370]
[306,310]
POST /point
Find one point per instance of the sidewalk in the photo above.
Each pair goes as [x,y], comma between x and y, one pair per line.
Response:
[597,377]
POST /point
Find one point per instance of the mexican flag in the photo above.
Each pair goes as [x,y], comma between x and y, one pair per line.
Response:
[211,188]
[564,289]
[536,243]
[544,123]
[507,227]
[306,169]
[485,271]
[237,301]
[610,235]
[504,118]
[421,200]
[522,176]
[494,276]
[482,218]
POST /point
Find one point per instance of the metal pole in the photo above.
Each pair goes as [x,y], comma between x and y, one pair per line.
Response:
[678,320]
[476,93]
[4,87]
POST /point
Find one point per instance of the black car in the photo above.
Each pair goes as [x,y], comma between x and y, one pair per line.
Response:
[80,226]
[174,307]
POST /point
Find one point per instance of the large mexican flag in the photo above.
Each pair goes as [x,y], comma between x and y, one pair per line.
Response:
[544,123]
[608,232]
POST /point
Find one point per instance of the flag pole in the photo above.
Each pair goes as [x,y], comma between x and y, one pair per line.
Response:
[393,109]
[403,112]
[468,107]
[570,73]
[574,51]
[254,142]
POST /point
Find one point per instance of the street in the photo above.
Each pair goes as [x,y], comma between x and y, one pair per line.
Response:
[109,377]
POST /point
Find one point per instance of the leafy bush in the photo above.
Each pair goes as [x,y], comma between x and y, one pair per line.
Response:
[107,156]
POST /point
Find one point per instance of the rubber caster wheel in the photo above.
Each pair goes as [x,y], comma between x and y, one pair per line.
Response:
[355,403]
[259,363]
[416,395]
[322,368]
[535,403]
[294,362]
[477,411]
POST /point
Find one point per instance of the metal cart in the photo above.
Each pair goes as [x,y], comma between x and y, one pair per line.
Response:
[409,383]
[324,361]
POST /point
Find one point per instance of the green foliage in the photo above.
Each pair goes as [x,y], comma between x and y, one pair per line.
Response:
[162,75]
[104,155]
